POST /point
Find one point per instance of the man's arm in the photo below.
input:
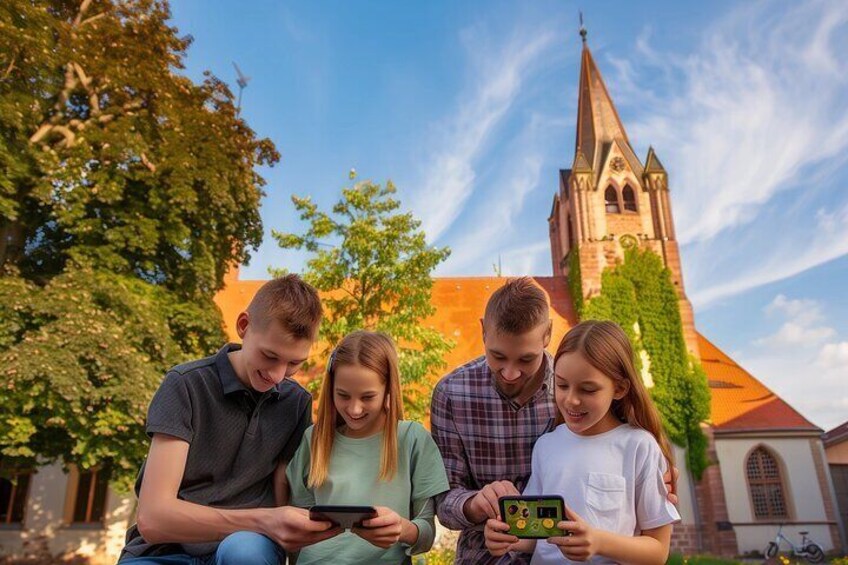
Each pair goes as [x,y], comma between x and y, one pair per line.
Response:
[460,507]
[449,505]
[164,518]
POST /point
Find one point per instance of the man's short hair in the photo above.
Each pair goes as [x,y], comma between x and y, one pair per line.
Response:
[291,302]
[517,307]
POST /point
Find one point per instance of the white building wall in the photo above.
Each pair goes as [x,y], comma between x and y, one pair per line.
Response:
[48,513]
[685,488]
[803,492]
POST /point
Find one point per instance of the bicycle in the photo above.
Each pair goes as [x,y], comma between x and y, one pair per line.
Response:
[809,549]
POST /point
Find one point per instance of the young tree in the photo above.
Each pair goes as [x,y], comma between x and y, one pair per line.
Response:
[377,276]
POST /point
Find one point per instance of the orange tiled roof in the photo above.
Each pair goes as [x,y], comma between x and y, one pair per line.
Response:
[739,401]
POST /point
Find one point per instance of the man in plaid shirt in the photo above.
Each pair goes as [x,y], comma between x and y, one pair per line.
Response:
[486,416]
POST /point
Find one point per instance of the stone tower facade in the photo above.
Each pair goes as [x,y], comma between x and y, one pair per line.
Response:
[609,200]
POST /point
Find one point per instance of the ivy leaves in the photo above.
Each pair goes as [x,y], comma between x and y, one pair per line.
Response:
[639,296]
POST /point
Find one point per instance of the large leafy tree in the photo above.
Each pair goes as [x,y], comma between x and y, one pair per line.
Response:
[80,358]
[374,266]
[126,189]
[111,157]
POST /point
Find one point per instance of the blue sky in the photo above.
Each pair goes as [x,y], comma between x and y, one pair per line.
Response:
[470,108]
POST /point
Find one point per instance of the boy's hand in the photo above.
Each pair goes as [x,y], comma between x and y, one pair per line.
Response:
[384,530]
[581,542]
[291,528]
[484,504]
[498,542]
[670,480]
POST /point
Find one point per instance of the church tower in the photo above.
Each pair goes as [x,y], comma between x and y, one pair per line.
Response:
[609,200]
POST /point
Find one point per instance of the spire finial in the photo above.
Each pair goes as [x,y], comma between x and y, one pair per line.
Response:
[583,32]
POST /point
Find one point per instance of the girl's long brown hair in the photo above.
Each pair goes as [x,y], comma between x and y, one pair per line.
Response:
[606,347]
[374,351]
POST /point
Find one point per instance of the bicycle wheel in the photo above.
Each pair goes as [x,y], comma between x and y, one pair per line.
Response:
[771,550]
[815,554]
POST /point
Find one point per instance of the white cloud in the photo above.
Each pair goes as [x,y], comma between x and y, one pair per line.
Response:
[758,112]
[791,333]
[804,311]
[803,325]
[450,175]
[492,228]
[834,356]
[526,259]
[793,252]
[794,362]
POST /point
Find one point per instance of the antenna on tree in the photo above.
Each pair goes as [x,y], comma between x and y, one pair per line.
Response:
[242,84]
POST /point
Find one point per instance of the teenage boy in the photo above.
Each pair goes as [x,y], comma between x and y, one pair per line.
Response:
[486,416]
[222,430]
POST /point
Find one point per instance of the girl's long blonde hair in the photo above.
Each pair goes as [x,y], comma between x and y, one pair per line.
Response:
[606,347]
[374,351]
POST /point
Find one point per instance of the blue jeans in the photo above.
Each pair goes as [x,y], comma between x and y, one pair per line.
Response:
[240,548]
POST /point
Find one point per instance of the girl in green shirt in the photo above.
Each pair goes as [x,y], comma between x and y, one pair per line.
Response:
[362,452]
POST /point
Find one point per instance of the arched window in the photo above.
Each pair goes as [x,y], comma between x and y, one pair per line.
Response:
[629,198]
[765,485]
[611,198]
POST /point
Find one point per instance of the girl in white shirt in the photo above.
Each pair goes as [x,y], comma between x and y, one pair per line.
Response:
[606,459]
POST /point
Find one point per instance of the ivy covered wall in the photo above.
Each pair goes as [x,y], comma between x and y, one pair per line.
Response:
[639,295]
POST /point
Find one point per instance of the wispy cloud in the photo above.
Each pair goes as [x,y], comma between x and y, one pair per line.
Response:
[758,109]
[803,326]
[802,362]
[450,175]
[792,251]
[490,232]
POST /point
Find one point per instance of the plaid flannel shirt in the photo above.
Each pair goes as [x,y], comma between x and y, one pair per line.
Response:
[484,437]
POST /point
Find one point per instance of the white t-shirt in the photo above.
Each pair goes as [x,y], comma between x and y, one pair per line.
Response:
[613,480]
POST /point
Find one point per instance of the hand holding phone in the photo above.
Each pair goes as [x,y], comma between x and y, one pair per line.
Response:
[384,530]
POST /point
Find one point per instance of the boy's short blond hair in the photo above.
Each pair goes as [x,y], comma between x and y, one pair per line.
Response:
[291,302]
[517,307]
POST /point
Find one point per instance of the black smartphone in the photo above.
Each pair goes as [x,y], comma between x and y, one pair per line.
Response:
[533,517]
[345,516]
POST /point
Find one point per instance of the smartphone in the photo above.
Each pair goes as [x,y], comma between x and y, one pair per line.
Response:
[533,517]
[345,516]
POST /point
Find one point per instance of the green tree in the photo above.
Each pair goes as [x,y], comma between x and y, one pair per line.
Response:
[376,276]
[126,190]
[81,358]
[113,159]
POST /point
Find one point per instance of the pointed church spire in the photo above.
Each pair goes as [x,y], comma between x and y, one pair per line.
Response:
[652,162]
[597,119]
[581,164]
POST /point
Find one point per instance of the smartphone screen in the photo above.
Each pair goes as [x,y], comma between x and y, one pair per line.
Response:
[533,517]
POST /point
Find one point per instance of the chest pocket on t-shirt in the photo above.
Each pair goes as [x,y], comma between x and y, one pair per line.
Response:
[605,499]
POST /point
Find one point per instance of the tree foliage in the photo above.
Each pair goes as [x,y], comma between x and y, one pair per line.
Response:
[81,358]
[126,190]
[112,158]
[639,295]
[377,276]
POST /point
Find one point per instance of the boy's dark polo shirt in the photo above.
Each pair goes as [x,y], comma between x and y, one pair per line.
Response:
[236,439]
